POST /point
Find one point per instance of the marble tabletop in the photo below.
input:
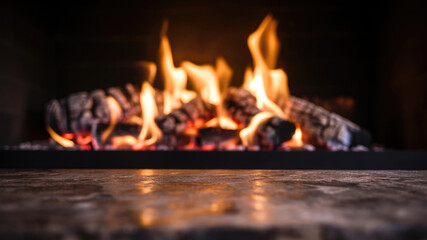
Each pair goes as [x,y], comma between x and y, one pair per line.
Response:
[212,204]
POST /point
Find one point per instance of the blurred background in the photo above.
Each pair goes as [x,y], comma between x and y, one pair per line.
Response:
[366,60]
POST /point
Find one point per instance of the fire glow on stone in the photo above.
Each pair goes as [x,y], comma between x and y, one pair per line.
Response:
[268,84]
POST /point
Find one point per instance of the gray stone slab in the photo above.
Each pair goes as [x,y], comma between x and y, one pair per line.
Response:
[212,204]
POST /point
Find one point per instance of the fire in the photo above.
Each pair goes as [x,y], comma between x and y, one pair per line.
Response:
[266,83]
[61,140]
[123,141]
[269,85]
[247,135]
[175,79]
[296,141]
[150,133]
[211,83]
[204,80]
[224,122]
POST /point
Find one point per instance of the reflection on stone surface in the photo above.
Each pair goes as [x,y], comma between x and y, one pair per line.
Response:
[210,204]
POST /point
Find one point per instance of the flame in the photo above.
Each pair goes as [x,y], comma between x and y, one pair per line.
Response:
[61,140]
[268,84]
[247,135]
[296,141]
[223,73]
[204,80]
[175,79]
[123,141]
[115,114]
[150,133]
[211,83]
[224,122]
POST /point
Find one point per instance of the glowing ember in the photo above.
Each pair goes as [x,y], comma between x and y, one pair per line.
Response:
[68,135]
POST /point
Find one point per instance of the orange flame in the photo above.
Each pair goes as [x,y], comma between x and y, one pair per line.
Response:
[175,79]
[150,133]
[269,85]
[204,80]
[123,142]
[296,141]
[61,140]
[247,135]
[210,83]
[266,83]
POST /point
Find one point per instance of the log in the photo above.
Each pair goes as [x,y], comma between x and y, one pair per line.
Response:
[187,116]
[216,137]
[77,112]
[128,99]
[323,128]
[241,105]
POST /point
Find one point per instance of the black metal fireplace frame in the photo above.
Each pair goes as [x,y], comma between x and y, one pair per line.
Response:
[385,160]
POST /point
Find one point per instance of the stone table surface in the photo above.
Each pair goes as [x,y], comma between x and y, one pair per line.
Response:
[212,204]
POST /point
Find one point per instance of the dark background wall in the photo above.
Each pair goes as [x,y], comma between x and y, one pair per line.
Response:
[372,52]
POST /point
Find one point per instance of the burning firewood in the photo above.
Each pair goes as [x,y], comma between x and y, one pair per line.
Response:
[241,105]
[217,138]
[262,113]
[77,112]
[323,128]
[188,115]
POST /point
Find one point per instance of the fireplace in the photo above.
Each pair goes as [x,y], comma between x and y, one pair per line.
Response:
[335,66]
[338,55]
[213,119]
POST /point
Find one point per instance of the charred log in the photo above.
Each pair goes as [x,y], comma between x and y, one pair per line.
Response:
[177,121]
[326,129]
[217,137]
[241,105]
[274,132]
[77,112]
[128,99]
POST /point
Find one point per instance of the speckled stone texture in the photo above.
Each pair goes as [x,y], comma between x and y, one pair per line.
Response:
[212,204]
